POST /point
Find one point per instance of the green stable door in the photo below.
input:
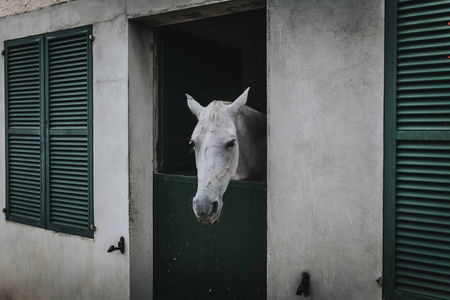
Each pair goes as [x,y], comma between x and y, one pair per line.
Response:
[226,260]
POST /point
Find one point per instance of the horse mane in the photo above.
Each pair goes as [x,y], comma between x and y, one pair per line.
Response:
[251,127]
[215,111]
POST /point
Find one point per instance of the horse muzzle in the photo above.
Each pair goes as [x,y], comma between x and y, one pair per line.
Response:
[207,211]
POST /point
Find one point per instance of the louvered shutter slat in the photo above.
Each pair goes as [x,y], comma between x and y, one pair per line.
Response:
[426,71]
[422,79]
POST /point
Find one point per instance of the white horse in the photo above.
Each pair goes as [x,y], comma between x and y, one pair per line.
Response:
[229,142]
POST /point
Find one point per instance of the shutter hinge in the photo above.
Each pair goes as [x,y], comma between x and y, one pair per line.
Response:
[380,281]
[93,228]
[91,37]
[4,210]
[3,52]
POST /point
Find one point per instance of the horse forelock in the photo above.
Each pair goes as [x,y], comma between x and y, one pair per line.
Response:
[214,113]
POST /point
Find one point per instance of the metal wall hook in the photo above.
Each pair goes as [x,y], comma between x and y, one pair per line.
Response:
[303,288]
[121,246]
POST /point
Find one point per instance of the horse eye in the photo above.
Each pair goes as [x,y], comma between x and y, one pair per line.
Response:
[231,143]
[191,142]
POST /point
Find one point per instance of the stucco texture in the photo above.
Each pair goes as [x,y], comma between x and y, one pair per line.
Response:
[11,7]
[325,147]
[42,264]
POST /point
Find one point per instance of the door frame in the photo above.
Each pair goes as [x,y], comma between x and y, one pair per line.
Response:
[167,19]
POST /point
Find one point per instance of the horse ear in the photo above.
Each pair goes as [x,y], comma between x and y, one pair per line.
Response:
[194,106]
[239,103]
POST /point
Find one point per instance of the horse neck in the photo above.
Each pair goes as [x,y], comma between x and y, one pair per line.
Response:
[251,132]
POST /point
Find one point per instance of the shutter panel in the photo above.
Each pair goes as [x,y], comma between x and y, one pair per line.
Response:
[69,146]
[417,246]
[24,170]
[423,218]
[423,74]
[69,184]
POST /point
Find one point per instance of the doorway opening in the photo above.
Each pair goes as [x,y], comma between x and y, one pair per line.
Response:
[210,59]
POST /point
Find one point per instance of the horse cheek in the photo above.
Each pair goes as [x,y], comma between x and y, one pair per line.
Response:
[234,161]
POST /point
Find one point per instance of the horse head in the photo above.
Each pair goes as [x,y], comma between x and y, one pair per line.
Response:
[216,146]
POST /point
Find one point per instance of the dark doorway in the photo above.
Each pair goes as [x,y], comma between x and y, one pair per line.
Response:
[211,59]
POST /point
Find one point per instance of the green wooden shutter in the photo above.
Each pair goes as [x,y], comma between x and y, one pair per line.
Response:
[417,166]
[48,106]
[69,149]
[24,139]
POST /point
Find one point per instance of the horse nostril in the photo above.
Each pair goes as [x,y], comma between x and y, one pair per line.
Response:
[215,207]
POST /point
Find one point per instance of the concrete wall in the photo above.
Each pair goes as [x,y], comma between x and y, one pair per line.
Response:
[41,264]
[325,156]
[142,98]
[175,11]
[8,7]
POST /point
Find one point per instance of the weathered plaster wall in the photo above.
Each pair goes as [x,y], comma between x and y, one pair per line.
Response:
[11,7]
[40,264]
[162,12]
[325,155]
[141,128]
[136,8]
